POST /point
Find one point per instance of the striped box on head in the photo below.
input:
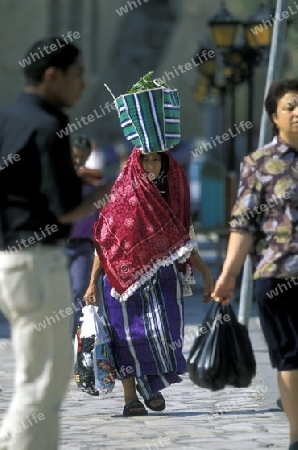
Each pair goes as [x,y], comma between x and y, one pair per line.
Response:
[150,119]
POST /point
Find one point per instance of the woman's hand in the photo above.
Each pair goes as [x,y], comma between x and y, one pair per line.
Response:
[91,295]
[224,289]
[208,285]
[201,267]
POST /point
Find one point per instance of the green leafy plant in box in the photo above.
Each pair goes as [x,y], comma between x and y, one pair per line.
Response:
[149,114]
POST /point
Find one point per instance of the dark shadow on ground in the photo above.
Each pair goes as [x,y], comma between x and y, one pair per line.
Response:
[218,413]
[214,414]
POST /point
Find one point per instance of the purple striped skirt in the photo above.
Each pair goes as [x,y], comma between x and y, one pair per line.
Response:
[147,332]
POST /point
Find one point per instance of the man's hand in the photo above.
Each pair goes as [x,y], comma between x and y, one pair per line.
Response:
[88,204]
[89,176]
[91,295]
[224,289]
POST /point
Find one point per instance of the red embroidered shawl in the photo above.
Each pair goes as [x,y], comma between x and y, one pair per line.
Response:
[138,231]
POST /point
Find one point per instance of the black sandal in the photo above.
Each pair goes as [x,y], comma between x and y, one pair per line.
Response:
[135,408]
[156,396]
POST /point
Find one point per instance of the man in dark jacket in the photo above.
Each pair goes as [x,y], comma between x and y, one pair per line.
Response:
[40,196]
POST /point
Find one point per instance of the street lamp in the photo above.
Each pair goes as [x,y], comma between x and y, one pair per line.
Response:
[208,66]
[223,26]
[257,35]
[245,57]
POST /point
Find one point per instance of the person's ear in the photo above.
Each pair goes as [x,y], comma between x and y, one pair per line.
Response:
[274,118]
[51,75]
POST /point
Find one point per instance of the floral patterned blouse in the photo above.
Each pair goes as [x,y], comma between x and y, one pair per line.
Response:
[267,207]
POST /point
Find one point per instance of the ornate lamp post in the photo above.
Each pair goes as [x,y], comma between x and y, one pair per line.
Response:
[242,59]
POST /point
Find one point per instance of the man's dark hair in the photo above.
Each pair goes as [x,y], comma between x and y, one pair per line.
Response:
[39,60]
[276,91]
[82,142]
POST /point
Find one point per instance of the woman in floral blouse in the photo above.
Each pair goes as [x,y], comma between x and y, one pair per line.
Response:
[264,223]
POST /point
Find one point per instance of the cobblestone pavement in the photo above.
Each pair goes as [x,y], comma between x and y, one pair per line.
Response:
[194,419]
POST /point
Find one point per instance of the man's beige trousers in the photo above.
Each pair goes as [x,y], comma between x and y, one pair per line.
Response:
[35,297]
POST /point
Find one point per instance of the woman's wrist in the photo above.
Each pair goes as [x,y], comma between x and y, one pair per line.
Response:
[228,275]
[205,271]
[94,280]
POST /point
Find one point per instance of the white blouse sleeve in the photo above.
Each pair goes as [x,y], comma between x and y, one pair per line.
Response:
[193,236]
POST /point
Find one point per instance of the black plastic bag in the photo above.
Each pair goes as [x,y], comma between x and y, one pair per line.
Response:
[241,357]
[222,353]
[207,363]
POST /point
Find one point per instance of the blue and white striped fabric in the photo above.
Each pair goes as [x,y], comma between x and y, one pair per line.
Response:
[147,332]
[150,119]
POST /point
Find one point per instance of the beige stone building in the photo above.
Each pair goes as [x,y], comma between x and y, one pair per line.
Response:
[120,40]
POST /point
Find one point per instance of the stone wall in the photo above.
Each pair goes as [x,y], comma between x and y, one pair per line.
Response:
[23,22]
[20,23]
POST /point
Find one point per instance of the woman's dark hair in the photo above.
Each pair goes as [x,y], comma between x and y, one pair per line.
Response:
[276,91]
[82,142]
[45,53]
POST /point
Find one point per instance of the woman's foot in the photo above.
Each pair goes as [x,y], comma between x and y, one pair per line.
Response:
[129,387]
[156,402]
[135,408]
